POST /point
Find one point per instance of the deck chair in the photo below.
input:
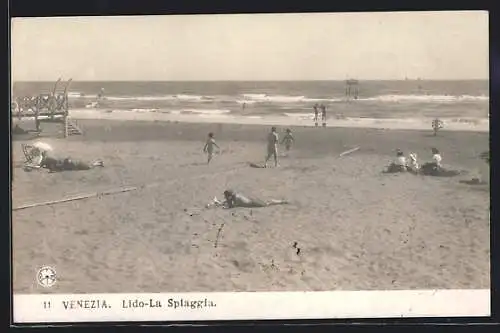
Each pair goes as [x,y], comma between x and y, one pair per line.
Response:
[27,149]
[28,162]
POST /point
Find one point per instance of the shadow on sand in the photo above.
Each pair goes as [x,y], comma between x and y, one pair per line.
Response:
[425,170]
[255,165]
[473,181]
[193,164]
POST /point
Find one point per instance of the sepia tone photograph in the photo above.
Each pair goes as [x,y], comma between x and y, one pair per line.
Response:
[250,153]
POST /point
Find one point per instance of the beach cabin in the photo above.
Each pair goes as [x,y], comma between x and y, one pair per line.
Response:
[351,89]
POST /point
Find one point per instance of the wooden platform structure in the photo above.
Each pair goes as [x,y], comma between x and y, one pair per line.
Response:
[48,107]
[351,89]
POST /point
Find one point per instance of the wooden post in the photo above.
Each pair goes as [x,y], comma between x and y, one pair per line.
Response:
[37,121]
[65,126]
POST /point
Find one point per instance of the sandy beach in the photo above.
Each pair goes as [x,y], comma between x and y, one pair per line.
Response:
[357,229]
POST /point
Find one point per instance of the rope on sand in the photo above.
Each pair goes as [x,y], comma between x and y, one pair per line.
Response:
[349,151]
[78,197]
[115,191]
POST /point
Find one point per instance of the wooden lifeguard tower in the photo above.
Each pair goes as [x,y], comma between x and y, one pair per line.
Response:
[351,89]
[47,107]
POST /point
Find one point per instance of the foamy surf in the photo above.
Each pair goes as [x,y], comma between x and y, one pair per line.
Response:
[453,124]
[206,111]
[144,110]
[264,98]
[77,94]
[425,98]
[285,100]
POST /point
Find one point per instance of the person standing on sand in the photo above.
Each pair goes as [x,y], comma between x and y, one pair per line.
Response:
[272,147]
[234,199]
[437,124]
[209,147]
[323,114]
[288,139]
[316,114]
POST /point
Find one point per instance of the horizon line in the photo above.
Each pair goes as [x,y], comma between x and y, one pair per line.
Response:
[317,80]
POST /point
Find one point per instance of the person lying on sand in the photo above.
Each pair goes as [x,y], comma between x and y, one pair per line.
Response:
[234,199]
[209,147]
[62,164]
[69,164]
[398,165]
[272,147]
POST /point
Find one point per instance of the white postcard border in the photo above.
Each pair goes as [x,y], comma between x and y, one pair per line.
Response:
[58,308]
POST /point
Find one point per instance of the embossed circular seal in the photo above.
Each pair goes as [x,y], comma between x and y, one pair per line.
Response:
[46,276]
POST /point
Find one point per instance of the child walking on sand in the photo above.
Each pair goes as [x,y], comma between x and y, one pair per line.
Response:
[272,147]
[209,147]
[288,139]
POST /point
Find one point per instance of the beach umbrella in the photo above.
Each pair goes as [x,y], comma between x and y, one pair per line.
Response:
[42,146]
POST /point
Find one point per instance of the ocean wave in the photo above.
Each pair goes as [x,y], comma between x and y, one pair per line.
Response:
[179,97]
[473,121]
[300,115]
[240,101]
[286,98]
[206,111]
[145,110]
[424,98]
[77,94]
[282,99]
[181,111]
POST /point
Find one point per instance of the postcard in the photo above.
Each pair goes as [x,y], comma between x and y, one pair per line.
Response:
[250,166]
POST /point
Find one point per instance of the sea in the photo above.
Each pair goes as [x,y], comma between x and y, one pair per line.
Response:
[452,101]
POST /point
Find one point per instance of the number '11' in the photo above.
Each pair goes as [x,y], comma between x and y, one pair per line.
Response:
[46,305]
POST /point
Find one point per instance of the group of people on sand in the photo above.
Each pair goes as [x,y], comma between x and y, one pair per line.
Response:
[234,199]
[41,156]
[317,107]
[273,142]
[410,164]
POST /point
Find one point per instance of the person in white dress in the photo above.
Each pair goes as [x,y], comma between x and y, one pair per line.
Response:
[436,158]
[413,163]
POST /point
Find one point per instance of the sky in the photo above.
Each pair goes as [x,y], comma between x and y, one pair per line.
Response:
[312,46]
